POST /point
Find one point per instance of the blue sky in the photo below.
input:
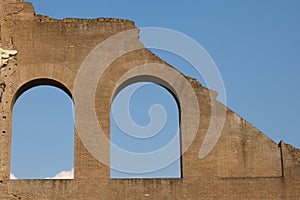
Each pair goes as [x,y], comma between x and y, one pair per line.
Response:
[43,133]
[255,45]
[143,138]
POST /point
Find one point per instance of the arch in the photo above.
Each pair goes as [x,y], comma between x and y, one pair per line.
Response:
[146,78]
[38,82]
[163,128]
[178,85]
[92,120]
[51,132]
[151,79]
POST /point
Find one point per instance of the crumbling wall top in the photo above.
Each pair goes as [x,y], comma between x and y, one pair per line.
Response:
[42,18]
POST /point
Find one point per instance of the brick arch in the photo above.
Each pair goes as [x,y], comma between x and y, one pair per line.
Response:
[39,82]
[170,144]
[177,84]
[151,79]
[161,74]
[17,121]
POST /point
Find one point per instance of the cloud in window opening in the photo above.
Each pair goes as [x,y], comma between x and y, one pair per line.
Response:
[61,175]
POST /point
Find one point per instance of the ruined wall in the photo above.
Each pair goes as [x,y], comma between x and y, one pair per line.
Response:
[244,164]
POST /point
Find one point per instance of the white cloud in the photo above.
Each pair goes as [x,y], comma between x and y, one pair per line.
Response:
[61,175]
[13,177]
[64,175]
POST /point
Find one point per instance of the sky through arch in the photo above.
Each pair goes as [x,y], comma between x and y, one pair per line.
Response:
[42,133]
[144,119]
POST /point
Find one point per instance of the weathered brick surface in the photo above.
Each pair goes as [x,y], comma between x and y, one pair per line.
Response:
[244,164]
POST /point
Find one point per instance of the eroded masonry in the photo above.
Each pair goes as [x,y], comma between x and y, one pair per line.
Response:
[38,50]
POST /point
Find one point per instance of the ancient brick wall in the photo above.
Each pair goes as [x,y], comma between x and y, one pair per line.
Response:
[244,164]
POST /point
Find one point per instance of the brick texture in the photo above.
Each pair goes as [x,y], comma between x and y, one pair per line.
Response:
[244,164]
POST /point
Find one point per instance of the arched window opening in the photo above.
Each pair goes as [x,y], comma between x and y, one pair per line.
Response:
[145,133]
[42,134]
